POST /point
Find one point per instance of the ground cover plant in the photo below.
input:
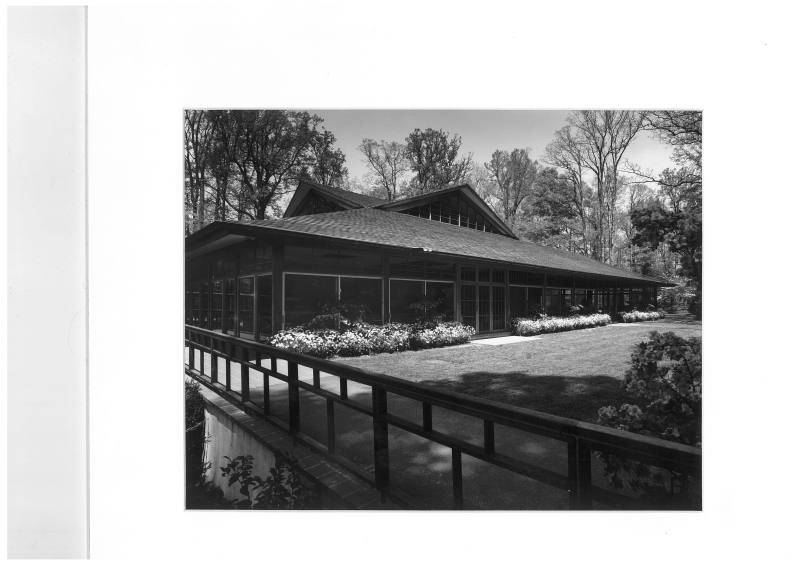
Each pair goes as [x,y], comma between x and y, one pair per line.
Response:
[546,324]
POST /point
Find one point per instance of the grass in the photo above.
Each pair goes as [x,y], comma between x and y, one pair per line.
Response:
[571,374]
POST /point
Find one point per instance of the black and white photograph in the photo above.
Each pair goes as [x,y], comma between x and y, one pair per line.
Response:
[474,309]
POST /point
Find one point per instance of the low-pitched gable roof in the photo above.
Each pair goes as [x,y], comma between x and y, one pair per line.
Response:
[405,232]
[345,199]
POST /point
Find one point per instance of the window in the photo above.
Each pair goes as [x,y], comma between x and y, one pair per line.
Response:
[403,294]
[518,300]
[306,296]
[468,305]
[216,305]
[498,308]
[264,289]
[442,295]
[230,306]
[365,294]
[246,295]
[468,274]
[483,308]
[484,275]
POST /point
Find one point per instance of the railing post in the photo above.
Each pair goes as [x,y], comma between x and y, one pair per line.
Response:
[427,416]
[191,352]
[213,363]
[343,388]
[488,437]
[202,356]
[316,378]
[380,436]
[331,426]
[230,350]
[245,375]
[294,399]
[579,466]
[458,480]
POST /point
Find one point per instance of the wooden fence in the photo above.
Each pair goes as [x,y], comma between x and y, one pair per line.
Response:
[581,439]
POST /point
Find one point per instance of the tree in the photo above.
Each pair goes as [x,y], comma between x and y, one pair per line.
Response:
[388,163]
[550,216]
[514,175]
[197,148]
[326,163]
[271,149]
[433,158]
[676,217]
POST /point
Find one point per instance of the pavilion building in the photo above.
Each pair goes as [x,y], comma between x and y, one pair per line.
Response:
[446,248]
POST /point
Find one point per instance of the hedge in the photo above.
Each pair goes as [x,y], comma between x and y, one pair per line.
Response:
[531,327]
[362,339]
[638,316]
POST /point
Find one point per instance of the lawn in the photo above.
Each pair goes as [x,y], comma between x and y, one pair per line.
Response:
[571,374]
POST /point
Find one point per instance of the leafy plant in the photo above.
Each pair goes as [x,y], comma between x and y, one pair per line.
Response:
[666,376]
[281,489]
[546,324]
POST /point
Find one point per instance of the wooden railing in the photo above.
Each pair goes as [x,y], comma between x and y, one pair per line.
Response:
[581,439]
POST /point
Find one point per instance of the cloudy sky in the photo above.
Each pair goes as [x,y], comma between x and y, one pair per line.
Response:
[481,131]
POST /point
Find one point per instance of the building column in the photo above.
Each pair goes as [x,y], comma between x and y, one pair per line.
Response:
[508,302]
[457,293]
[223,327]
[544,295]
[573,290]
[277,287]
[236,297]
[386,315]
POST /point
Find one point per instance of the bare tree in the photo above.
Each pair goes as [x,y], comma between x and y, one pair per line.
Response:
[434,160]
[197,143]
[514,175]
[388,163]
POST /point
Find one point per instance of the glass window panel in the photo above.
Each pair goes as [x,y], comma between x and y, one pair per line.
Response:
[442,295]
[468,305]
[483,274]
[498,308]
[230,306]
[246,304]
[403,295]
[534,305]
[498,276]
[468,274]
[265,304]
[365,295]
[483,308]
[306,296]
[517,298]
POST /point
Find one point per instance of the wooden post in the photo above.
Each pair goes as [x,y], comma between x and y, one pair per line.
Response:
[488,437]
[544,294]
[331,426]
[256,321]
[458,480]
[294,399]
[380,435]
[236,298]
[457,294]
[277,287]
[579,470]
[245,375]
[386,314]
[508,302]
[223,328]
[573,290]
[427,416]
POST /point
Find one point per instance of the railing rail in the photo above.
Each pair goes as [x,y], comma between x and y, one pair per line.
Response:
[581,438]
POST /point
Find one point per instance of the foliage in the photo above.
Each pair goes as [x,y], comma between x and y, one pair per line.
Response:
[666,376]
[513,174]
[360,339]
[283,488]
[194,404]
[433,159]
[338,316]
[547,324]
[195,440]
[388,164]
[673,299]
[640,316]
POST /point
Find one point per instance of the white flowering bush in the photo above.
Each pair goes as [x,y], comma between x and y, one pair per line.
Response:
[546,324]
[360,338]
[443,334]
[638,316]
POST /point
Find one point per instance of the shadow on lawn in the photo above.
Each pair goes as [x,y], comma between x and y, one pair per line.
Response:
[567,396]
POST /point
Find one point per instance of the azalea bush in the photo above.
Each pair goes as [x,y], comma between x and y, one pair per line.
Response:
[358,339]
[546,324]
[639,316]
[666,378]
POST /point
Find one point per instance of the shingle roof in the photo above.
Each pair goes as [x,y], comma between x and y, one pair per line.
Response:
[399,230]
[357,199]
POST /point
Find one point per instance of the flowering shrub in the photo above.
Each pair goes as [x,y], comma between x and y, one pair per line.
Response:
[444,334]
[638,316]
[666,378]
[530,327]
[360,338]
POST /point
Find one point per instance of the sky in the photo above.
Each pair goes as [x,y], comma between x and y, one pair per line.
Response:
[481,131]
